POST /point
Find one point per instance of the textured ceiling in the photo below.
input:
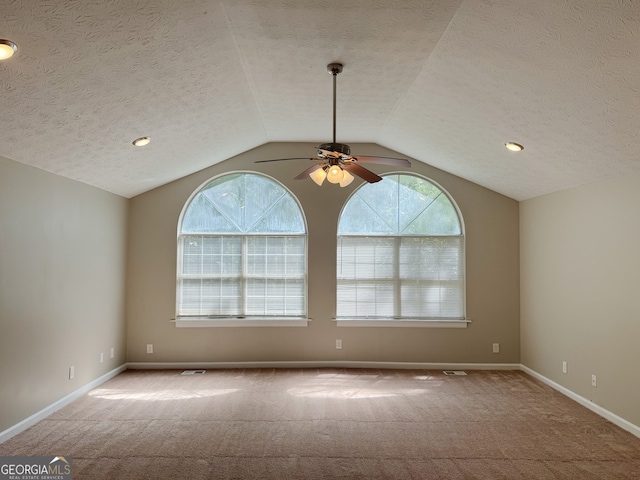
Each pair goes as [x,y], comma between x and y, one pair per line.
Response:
[445,82]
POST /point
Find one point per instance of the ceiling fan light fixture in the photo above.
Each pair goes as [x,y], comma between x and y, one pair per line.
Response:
[514,147]
[347,178]
[7,49]
[335,174]
[318,176]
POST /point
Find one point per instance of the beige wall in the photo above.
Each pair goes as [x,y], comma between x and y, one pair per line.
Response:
[580,284]
[492,278]
[62,295]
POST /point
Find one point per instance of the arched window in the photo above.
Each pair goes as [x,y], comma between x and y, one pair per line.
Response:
[401,254]
[242,254]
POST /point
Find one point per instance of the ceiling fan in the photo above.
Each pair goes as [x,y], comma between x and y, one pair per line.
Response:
[334,161]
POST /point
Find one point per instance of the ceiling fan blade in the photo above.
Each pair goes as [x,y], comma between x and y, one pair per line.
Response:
[398,162]
[282,159]
[309,170]
[362,172]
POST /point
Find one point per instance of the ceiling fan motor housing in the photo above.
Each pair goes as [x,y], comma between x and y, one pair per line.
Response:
[335,147]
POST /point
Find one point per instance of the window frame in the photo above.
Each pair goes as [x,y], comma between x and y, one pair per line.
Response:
[187,321]
[408,321]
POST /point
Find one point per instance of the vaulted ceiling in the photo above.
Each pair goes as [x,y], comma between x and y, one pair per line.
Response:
[445,82]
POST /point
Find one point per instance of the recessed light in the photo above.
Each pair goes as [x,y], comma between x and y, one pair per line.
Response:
[514,147]
[142,141]
[7,49]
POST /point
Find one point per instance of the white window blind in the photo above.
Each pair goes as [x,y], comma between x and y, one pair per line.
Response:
[400,277]
[242,276]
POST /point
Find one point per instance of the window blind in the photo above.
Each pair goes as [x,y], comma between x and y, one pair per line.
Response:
[227,276]
[418,277]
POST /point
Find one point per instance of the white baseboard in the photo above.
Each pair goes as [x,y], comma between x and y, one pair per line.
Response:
[603,412]
[63,402]
[322,364]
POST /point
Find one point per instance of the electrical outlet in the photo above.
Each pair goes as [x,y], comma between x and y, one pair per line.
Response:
[101,357]
[565,368]
[149,347]
[496,348]
[72,372]
[113,352]
[338,344]
[594,382]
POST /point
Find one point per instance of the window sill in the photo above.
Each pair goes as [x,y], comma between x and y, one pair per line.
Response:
[240,322]
[370,322]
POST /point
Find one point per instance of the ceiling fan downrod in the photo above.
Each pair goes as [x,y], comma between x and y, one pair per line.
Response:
[334,70]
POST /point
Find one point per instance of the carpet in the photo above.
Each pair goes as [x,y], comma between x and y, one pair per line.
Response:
[331,424]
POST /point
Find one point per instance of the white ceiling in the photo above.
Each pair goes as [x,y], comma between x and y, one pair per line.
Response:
[445,82]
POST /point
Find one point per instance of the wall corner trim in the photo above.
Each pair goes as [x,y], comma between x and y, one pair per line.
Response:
[603,412]
[57,405]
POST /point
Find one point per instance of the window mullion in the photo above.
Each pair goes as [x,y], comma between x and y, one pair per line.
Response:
[285,252]
[200,306]
[243,282]
[397,303]
[265,276]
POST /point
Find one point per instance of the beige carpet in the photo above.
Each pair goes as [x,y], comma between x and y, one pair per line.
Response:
[331,424]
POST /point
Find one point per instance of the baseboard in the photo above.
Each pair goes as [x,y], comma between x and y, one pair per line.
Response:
[603,412]
[322,364]
[63,402]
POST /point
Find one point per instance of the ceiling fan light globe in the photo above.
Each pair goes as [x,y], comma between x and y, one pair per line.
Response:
[335,174]
[347,178]
[318,176]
